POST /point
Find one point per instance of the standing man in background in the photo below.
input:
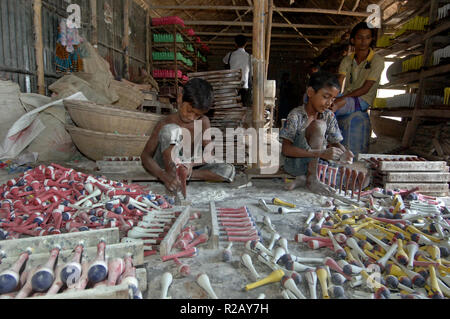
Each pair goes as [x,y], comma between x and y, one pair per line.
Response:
[359,73]
[240,59]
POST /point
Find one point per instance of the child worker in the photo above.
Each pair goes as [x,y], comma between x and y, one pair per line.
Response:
[162,156]
[311,133]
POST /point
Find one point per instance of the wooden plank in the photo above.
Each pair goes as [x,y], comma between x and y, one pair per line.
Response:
[226,86]
[268,37]
[258,69]
[89,253]
[39,45]
[218,77]
[437,166]
[94,24]
[219,72]
[134,176]
[169,239]
[226,91]
[275,25]
[274,35]
[361,157]
[283,9]
[148,42]
[229,106]
[229,100]
[217,84]
[126,38]
[114,292]
[421,177]
[214,238]
[423,187]
[141,276]
[224,96]
[67,241]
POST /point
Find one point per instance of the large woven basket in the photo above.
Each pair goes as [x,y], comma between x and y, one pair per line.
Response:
[108,119]
[97,145]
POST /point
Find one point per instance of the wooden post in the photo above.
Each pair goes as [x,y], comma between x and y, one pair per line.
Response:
[126,39]
[269,37]
[94,24]
[39,45]
[258,69]
[147,41]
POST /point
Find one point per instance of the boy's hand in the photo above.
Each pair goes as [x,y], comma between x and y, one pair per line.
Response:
[331,154]
[347,157]
[171,181]
[337,104]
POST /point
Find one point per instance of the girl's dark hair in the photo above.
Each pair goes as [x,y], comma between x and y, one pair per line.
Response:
[322,79]
[199,93]
[363,26]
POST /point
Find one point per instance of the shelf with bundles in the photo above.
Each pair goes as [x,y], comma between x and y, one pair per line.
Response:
[174,28]
[414,76]
[432,111]
[171,65]
[413,40]
[169,46]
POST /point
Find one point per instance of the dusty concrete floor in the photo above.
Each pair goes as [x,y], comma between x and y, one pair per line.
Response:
[229,279]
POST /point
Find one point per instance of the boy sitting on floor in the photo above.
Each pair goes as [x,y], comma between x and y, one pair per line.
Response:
[157,156]
[309,130]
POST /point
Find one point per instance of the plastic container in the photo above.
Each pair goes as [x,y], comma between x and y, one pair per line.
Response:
[356,130]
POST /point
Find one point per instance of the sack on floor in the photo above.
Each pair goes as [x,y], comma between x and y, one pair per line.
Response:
[54,142]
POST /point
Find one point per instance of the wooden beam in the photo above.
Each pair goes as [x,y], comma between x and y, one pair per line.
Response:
[39,46]
[282,9]
[142,3]
[295,28]
[340,6]
[274,35]
[258,70]
[275,25]
[225,29]
[238,15]
[126,38]
[268,37]
[148,46]
[187,13]
[94,24]
[293,43]
[356,5]
[328,16]
[272,49]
